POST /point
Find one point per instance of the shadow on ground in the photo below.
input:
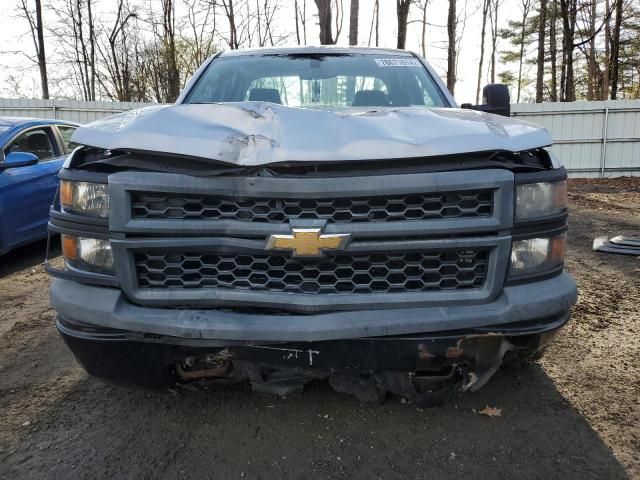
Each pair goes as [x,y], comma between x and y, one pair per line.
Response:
[27,256]
[85,429]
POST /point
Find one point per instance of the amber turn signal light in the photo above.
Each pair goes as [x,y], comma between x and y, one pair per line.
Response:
[66,194]
[69,247]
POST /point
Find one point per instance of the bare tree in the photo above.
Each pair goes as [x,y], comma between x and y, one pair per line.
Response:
[169,40]
[303,20]
[326,20]
[296,12]
[375,22]
[567,88]
[553,50]
[353,22]
[115,56]
[615,50]
[263,19]
[607,46]
[202,23]
[485,11]
[526,7]
[493,16]
[37,35]
[232,41]
[76,34]
[423,37]
[451,52]
[591,57]
[402,13]
[542,22]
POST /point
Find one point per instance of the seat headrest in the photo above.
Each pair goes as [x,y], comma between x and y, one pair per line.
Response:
[265,95]
[370,98]
[38,141]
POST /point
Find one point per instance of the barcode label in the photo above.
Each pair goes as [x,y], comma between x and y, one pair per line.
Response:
[398,62]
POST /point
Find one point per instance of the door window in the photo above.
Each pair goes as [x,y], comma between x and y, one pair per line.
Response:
[36,141]
[66,132]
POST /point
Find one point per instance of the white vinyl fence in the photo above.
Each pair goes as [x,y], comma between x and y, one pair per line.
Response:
[592,139]
[72,110]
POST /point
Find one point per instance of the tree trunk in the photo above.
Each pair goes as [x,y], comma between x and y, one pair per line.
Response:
[542,23]
[377,23]
[568,10]
[604,93]
[402,11]
[353,22]
[525,13]
[591,68]
[173,75]
[493,13]
[92,51]
[553,51]
[485,8]
[424,29]
[615,51]
[451,52]
[295,8]
[324,20]
[42,59]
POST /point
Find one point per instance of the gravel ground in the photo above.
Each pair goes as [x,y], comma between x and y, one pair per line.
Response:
[575,414]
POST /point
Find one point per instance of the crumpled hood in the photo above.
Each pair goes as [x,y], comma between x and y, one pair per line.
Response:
[258,133]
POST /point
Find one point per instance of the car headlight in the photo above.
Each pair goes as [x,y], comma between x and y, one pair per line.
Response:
[84,198]
[540,199]
[90,254]
[535,255]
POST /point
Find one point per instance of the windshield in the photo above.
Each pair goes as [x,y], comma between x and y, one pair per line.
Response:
[319,81]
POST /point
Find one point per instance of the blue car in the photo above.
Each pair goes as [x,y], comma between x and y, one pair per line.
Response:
[33,150]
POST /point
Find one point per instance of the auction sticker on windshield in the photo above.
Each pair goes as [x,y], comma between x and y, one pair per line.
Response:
[398,62]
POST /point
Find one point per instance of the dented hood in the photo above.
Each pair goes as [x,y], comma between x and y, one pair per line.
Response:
[257,133]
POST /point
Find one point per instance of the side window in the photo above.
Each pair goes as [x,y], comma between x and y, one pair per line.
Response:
[66,132]
[428,93]
[36,141]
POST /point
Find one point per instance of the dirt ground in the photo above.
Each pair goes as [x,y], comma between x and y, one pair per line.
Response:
[575,414]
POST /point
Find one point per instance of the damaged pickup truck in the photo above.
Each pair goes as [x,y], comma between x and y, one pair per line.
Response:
[312,213]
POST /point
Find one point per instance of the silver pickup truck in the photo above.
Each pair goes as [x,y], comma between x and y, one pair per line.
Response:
[312,213]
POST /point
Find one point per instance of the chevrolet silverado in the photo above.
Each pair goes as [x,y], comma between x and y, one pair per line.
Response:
[306,214]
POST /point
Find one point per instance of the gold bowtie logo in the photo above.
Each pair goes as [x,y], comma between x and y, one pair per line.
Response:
[307,242]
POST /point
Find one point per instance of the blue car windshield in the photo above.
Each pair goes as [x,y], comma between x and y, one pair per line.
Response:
[319,81]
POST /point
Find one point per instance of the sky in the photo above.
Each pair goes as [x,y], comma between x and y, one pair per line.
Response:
[17,65]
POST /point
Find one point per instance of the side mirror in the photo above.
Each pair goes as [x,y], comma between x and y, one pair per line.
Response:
[495,99]
[19,159]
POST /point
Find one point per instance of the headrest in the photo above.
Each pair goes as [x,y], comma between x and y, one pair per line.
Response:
[370,98]
[265,95]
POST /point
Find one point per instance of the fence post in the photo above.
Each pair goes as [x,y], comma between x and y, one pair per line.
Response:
[53,107]
[605,126]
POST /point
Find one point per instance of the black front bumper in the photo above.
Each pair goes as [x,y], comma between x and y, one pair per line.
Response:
[426,368]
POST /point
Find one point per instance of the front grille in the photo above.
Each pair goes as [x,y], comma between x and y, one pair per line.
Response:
[414,206]
[343,273]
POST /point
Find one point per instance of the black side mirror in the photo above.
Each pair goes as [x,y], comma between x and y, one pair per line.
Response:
[495,99]
[19,159]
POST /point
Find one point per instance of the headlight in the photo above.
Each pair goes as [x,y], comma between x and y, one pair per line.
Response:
[540,199]
[84,198]
[91,254]
[535,255]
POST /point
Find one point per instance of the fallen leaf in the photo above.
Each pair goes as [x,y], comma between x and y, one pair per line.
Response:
[491,411]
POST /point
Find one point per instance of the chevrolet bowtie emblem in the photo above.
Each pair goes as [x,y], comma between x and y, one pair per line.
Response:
[307,242]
